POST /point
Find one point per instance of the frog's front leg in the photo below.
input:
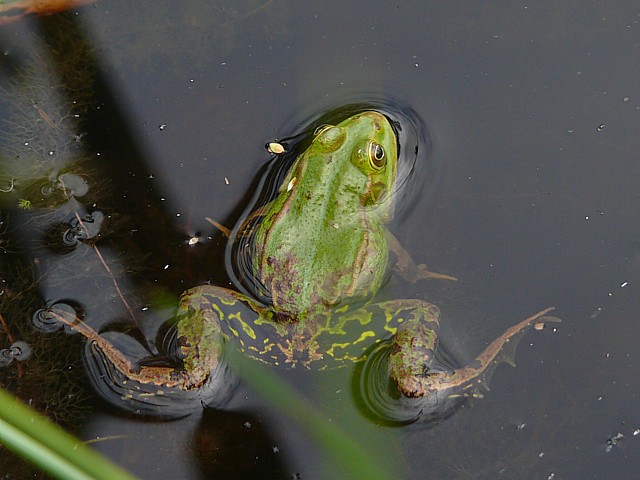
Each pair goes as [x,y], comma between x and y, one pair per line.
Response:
[405,265]
[412,353]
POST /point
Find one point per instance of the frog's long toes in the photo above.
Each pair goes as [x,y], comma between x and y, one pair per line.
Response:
[423,274]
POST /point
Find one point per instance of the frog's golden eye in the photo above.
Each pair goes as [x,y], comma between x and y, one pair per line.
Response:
[321,129]
[377,158]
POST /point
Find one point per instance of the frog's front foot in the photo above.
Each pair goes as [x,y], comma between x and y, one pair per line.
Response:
[420,272]
[407,267]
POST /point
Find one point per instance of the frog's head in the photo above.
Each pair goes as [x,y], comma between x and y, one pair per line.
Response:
[369,142]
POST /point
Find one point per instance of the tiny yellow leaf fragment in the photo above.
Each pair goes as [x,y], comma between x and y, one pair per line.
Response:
[542,323]
[291,184]
[275,147]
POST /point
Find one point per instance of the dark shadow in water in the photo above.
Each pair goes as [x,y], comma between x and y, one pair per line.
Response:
[121,161]
[236,445]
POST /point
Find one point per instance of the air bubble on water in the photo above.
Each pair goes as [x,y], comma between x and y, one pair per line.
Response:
[71,237]
[6,357]
[88,228]
[73,184]
[21,350]
[49,319]
[47,190]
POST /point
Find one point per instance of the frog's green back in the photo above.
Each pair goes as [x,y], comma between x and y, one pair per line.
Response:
[322,240]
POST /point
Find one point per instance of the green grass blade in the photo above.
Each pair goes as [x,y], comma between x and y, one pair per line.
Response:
[347,451]
[37,439]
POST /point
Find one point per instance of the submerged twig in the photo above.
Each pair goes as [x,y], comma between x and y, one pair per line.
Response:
[12,11]
[115,355]
[111,275]
[224,230]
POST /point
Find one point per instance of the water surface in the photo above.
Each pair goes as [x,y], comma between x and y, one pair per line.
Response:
[533,112]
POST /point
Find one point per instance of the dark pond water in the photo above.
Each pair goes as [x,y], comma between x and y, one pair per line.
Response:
[534,115]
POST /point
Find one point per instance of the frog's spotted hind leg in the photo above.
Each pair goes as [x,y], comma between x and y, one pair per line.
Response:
[412,353]
[149,375]
[200,337]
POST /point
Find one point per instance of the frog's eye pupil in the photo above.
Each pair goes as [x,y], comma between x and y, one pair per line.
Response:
[376,156]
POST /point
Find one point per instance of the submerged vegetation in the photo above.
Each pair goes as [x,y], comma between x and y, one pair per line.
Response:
[43,168]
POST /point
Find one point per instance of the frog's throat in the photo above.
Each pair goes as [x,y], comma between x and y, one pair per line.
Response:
[465,381]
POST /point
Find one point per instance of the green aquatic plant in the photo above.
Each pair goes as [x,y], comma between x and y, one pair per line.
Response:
[37,439]
[24,204]
[44,101]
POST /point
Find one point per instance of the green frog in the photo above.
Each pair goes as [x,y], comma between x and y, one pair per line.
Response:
[317,254]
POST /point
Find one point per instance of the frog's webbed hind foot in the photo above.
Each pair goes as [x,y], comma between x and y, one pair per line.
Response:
[148,386]
[420,272]
[437,391]
[129,376]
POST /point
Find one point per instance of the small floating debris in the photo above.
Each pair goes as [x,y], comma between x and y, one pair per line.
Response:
[542,322]
[275,148]
[613,441]
[24,204]
[193,240]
